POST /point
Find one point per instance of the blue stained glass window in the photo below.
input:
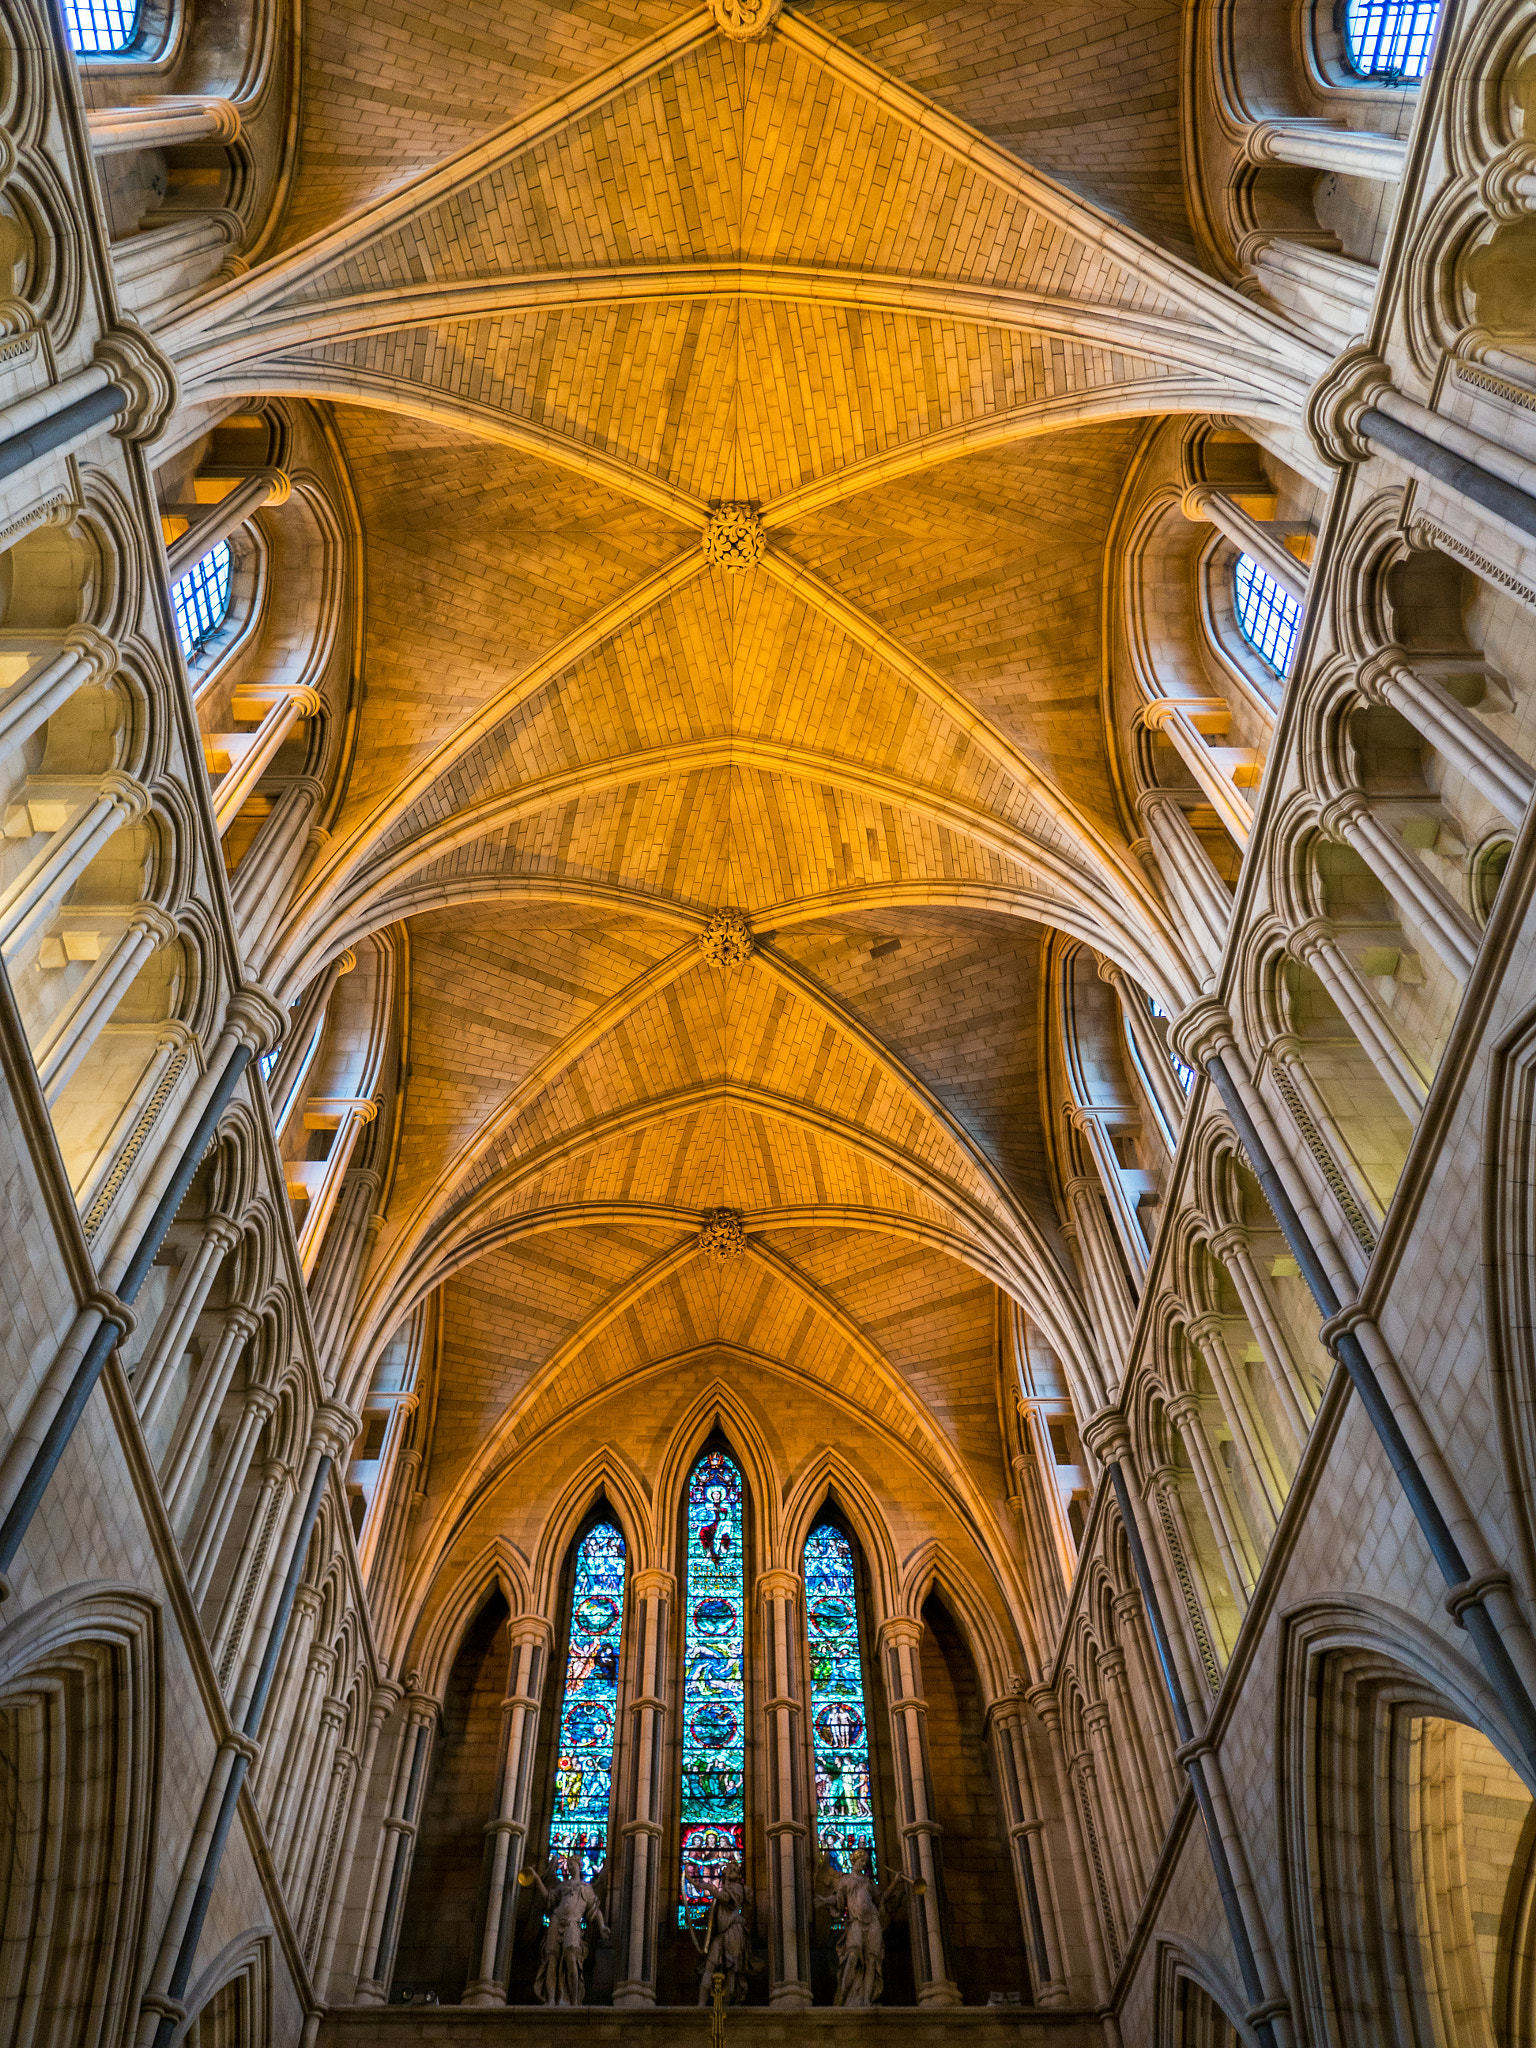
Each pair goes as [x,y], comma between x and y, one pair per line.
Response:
[101,28]
[201,599]
[1390,38]
[714,1696]
[845,1814]
[1269,616]
[584,1773]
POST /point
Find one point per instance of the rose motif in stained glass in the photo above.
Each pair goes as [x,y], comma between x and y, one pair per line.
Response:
[714,1617]
[713,1726]
[594,1615]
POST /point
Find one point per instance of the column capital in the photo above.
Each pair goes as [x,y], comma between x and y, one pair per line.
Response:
[333,1428]
[1207,1328]
[653,1584]
[383,1700]
[1345,808]
[778,1584]
[256,1018]
[141,369]
[1203,1031]
[531,1628]
[1347,389]
[1376,674]
[1046,1705]
[901,1629]
[1317,935]
[1107,1435]
[1230,1242]
[130,797]
[95,649]
[1184,1411]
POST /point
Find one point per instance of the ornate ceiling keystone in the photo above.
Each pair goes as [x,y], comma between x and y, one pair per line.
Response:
[743,19]
[721,1237]
[734,538]
[726,941]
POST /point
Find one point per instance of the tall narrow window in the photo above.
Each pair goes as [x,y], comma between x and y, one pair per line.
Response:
[1390,39]
[845,1814]
[714,1697]
[201,599]
[101,28]
[584,1773]
[1269,616]
[1182,1068]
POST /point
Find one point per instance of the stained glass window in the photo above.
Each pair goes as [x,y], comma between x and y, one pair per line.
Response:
[584,1773]
[845,1814]
[201,599]
[1390,38]
[714,1698]
[100,28]
[1269,616]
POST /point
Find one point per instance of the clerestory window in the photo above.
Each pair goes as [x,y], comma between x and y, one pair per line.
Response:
[845,1812]
[1270,617]
[713,1812]
[1184,1072]
[101,28]
[1390,39]
[589,1707]
[200,599]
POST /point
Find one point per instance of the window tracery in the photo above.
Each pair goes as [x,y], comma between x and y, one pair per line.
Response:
[200,600]
[713,1810]
[1390,39]
[1270,617]
[101,28]
[589,1705]
[845,1814]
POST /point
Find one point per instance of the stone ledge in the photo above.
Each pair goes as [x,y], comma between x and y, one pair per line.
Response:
[394,2026]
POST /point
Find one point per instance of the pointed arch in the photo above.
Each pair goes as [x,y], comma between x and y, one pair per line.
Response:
[608,1474]
[496,1568]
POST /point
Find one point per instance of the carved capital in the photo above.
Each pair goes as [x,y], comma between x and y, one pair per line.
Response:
[1107,1436]
[1508,184]
[1202,1031]
[94,648]
[1315,936]
[150,918]
[134,363]
[255,1018]
[1348,388]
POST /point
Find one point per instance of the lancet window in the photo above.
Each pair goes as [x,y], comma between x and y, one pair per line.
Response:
[1390,39]
[1269,616]
[201,599]
[101,28]
[713,1808]
[589,1707]
[845,1814]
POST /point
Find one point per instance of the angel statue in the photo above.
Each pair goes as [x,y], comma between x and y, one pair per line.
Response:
[570,1902]
[724,1947]
[865,1911]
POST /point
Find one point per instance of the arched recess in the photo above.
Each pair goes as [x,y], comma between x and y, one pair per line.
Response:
[440,1925]
[1196,2000]
[230,2002]
[80,1708]
[1407,1838]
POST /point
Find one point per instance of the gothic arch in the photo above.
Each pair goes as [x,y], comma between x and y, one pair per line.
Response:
[608,1475]
[831,1475]
[432,1628]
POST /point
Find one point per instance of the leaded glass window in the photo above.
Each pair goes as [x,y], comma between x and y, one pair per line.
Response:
[845,1813]
[588,1711]
[1390,38]
[201,599]
[101,28]
[714,1696]
[1269,616]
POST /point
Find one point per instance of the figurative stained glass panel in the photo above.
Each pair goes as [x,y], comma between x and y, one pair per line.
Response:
[584,1773]
[200,599]
[1390,38]
[1269,616]
[714,1697]
[845,1814]
[101,28]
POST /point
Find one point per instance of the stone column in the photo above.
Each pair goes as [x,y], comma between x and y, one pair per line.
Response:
[1164,1499]
[1147,1682]
[330,1897]
[1492,767]
[276,1768]
[1129,1756]
[194,1279]
[235,1614]
[291,1791]
[1105,1283]
[1235,1251]
[301,1041]
[79,820]
[162,123]
[205,1539]
[1266,1482]
[1320,290]
[1320,146]
[1250,536]
[1152,1055]
[1094,1124]
[301,1846]
[397,1848]
[1231,1539]
[1180,720]
[217,521]
[246,757]
[1048,1708]
[652,1594]
[1443,922]
[41,670]
[922,1856]
[1316,945]
[790,1806]
[1026,1836]
[1197,891]
[178,1478]
[1107,1848]
[507,1829]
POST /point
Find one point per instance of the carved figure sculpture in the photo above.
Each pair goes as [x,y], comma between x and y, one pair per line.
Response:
[865,1910]
[724,1947]
[570,1902]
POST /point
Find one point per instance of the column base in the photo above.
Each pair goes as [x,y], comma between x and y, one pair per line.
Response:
[1055,1993]
[790,1997]
[634,1992]
[370,1993]
[939,1992]
[484,1991]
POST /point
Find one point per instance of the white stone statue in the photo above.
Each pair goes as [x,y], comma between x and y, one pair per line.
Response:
[570,1902]
[865,1910]
[725,1948]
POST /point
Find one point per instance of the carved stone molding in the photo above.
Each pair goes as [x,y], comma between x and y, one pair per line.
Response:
[743,19]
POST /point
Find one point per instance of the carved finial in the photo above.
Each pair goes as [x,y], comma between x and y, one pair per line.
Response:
[726,940]
[721,1236]
[743,19]
[734,538]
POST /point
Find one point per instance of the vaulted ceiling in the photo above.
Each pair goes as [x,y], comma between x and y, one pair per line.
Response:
[910,282]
